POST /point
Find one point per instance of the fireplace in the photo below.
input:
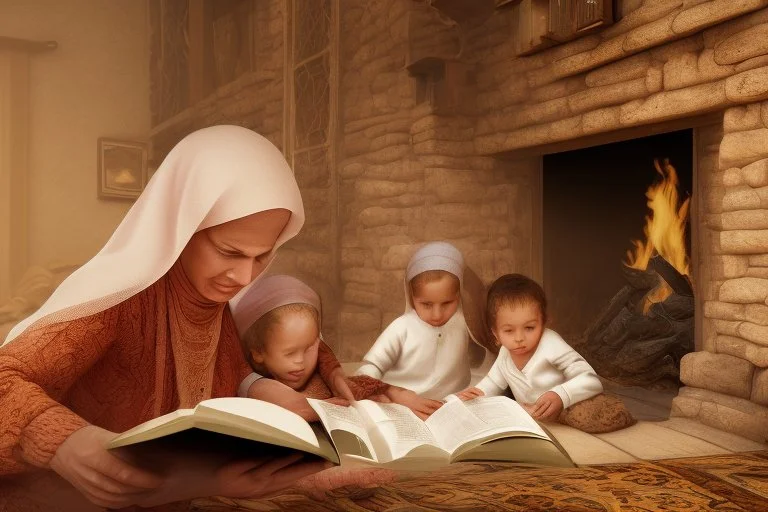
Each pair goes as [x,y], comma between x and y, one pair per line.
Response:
[615,220]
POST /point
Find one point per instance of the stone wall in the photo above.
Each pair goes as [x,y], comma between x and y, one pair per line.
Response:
[410,175]
[666,60]
[727,382]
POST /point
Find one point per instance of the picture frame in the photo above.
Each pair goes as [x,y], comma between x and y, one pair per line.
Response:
[122,168]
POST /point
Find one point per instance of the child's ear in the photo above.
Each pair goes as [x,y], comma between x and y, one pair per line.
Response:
[257,356]
[495,337]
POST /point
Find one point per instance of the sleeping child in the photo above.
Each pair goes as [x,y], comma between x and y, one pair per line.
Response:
[279,324]
[429,349]
[546,376]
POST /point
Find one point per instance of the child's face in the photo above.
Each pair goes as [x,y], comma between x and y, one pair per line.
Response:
[437,301]
[290,350]
[519,327]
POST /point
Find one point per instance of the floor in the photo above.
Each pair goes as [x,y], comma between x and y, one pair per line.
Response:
[655,436]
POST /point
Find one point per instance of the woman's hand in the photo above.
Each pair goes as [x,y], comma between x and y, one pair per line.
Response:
[547,407]
[470,393]
[422,407]
[103,478]
[252,478]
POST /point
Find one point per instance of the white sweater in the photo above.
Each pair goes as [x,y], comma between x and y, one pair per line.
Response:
[431,361]
[554,366]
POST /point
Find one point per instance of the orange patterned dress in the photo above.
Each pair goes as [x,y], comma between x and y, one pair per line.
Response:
[147,356]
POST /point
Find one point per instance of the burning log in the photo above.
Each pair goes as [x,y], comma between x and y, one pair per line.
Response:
[677,281]
[647,327]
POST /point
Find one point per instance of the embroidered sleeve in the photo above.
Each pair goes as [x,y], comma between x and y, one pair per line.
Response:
[36,370]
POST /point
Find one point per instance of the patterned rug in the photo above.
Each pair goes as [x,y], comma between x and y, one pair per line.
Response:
[737,482]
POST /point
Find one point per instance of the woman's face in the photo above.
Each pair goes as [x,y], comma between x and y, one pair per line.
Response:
[221,260]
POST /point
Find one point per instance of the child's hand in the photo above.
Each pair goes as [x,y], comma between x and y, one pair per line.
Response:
[339,385]
[470,393]
[547,407]
[422,407]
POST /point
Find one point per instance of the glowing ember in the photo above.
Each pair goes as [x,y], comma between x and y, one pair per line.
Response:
[664,231]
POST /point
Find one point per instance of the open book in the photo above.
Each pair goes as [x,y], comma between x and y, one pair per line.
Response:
[370,433]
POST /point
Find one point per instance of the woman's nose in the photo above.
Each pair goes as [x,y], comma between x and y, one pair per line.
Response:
[241,273]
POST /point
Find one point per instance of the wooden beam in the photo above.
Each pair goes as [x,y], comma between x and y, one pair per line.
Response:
[612,136]
[201,71]
[13,43]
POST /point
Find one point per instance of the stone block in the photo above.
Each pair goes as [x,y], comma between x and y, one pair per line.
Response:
[748,86]
[606,95]
[756,174]
[721,373]
[730,414]
[739,347]
[601,120]
[726,327]
[757,334]
[729,178]
[674,104]
[711,13]
[728,266]
[744,220]
[742,118]
[744,290]
[760,272]
[363,275]
[372,189]
[624,70]
[642,15]
[396,256]
[693,68]
[749,43]
[753,241]
[724,311]
[650,34]
[740,149]
[359,319]
[760,387]
[740,198]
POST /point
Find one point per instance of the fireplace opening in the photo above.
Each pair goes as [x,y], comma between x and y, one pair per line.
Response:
[599,203]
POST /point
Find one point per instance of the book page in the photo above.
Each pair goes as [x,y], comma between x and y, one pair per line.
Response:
[453,424]
[502,412]
[257,412]
[456,423]
[339,420]
[398,427]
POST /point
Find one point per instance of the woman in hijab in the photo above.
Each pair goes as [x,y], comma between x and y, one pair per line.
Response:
[144,328]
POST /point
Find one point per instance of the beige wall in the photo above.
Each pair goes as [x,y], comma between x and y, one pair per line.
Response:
[95,84]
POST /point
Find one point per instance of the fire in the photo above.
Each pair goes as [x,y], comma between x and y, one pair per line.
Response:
[664,231]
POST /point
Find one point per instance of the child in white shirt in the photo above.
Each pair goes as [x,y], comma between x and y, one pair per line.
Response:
[429,349]
[546,376]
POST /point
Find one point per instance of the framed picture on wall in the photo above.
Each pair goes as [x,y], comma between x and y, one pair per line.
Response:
[122,168]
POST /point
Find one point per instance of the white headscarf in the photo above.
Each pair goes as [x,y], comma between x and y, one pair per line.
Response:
[446,257]
[212,176]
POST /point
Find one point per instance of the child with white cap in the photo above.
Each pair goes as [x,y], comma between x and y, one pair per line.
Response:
[429,349]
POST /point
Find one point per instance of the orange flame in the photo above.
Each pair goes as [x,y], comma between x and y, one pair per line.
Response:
[664,231]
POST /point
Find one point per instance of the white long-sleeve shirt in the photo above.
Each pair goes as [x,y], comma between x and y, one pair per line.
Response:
[554,366]
[431,361]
